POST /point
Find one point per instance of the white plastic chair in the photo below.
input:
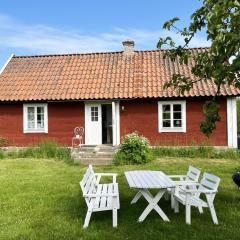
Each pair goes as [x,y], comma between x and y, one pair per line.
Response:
[192,196]
[181,181]
[100,197]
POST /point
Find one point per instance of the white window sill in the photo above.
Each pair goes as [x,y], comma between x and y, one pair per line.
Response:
[35,131]
[172,130]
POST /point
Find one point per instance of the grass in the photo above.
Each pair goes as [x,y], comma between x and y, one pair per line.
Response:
[46,149]
[41,199]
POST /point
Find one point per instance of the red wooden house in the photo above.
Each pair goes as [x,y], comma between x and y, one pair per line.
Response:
[109,94]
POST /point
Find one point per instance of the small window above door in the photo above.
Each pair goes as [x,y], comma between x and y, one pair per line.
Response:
[94,114]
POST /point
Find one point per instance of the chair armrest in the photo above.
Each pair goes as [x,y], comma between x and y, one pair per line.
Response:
[185,183]
[177,176]
[99,175]
[199,191]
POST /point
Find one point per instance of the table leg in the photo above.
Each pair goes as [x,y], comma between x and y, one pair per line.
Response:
[136,198]
[153,204]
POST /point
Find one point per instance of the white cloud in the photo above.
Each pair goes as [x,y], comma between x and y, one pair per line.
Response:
[42,39]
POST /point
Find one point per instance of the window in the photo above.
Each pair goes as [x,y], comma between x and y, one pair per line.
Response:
[35,118]
[94,114]
[172,116]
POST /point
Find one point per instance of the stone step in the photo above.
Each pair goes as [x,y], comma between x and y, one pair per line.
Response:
[95,149]
[86,149]
[101,161]
[96,155]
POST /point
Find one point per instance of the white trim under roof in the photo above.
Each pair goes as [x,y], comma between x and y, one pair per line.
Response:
[6,63]
[232,121]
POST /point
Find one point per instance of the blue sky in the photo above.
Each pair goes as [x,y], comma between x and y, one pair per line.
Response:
[71,26]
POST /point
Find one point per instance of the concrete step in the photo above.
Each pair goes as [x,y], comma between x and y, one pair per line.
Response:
[86,149]
[87,161]
[96,155]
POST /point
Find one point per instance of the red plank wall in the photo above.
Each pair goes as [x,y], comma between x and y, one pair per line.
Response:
[142,115]
[62,118]
[138,115]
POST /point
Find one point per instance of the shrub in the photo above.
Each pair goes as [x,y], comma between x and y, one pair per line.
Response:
[133,150]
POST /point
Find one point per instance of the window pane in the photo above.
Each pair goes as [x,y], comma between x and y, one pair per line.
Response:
[30,118]
[40,117]
[94,114]
[166,115]
[177,115]
[177,123]
[40,110]
[166,123]
[177,107]
[166,107]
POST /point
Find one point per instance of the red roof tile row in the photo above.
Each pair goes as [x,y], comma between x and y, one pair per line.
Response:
[98,76]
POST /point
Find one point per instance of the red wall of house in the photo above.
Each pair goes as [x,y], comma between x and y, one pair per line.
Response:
[138,115]
[142,115]
[62,119]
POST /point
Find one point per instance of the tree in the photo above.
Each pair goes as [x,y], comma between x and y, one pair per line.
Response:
[220,63]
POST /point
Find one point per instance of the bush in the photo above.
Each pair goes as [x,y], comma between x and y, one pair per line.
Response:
[133,150]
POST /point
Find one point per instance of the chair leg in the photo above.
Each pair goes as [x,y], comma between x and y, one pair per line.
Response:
[213,214]
[114,217]
[176,206]
[200,209]
[87,219]
[188,213]
[172,198]
[166,196]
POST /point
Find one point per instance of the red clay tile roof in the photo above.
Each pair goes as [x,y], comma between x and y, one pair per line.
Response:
[97,76]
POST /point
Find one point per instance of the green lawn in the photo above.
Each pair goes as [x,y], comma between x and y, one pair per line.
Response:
[41,199]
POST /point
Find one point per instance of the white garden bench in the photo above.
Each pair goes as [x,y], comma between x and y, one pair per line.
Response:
[191,197]
[99,197]
[181,181]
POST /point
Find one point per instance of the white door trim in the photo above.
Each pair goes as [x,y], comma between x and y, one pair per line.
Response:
[116,123]
[232,121]
[93,136]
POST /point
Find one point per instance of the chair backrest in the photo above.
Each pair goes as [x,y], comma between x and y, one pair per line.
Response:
[209,182]
[89,182]
[78,132]
[193,174]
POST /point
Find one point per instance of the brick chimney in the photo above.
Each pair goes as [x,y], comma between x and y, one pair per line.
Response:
[128,47]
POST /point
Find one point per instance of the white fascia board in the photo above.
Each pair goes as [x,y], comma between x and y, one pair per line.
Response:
[6,63]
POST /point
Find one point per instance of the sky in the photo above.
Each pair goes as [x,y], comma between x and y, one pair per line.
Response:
[74,26]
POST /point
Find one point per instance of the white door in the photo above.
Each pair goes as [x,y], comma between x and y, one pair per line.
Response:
[93,124]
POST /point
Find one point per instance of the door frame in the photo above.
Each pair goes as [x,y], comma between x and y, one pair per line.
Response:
[87,113]
[115,119]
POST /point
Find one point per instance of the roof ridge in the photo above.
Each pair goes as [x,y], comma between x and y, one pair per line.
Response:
[97,53]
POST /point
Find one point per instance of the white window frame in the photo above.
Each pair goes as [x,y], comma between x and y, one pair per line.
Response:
[25,118]
[160,120]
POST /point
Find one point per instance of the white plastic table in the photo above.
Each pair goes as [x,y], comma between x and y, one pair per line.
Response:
[145,180]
